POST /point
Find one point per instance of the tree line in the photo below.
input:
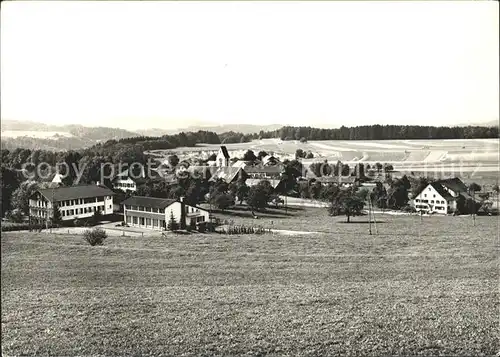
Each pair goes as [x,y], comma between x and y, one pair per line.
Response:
[382,132]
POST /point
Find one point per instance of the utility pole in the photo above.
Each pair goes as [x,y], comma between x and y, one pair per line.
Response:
[52,208]
[474,208]
[374,219]
[370,215]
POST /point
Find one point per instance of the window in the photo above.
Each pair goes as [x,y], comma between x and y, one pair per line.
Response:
[134,220]
[432,201]
[200,219]
[141,220]
[425,194]
[129,219]
[100,199]
[148,221]
[141,208]
[81,210]
[148,209]
[63,213]
[133,208]
[417,200]
[155,223]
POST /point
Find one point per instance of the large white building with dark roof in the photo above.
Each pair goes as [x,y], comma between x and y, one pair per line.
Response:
[72,201]
[154,213]
[441,196]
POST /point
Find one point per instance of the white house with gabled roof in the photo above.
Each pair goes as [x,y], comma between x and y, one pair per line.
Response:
[440,196]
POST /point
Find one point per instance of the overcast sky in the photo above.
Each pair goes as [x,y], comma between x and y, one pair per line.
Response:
[174,64]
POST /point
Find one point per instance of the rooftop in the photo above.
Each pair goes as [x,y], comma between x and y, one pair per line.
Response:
[73,192]
[152,202]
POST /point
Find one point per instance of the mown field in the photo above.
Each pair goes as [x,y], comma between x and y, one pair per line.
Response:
[467,155]
[343,292]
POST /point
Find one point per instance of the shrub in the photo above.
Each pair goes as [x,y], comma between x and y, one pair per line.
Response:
[95,236]
[409,209]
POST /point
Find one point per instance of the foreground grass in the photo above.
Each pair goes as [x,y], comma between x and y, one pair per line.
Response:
[342,293]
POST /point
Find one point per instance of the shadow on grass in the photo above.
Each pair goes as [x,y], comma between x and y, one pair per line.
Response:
[361,222]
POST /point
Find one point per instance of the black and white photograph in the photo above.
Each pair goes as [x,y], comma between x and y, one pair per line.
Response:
[250,178]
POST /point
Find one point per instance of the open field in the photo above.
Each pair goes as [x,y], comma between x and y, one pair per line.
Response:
[345,292]
[402,153]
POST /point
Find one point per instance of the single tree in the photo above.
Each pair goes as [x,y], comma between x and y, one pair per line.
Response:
[56,216]
[474,187]
[96,218]
[347,202]
[223,201]
[249,156]
[259,195]
[261,154]
[173,160]
[172,223]
[299,153]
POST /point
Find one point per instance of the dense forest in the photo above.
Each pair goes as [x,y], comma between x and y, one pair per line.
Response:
[382,132]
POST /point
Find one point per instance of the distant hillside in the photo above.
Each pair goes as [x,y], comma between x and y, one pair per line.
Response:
[487,123]
[219,129]
[34,135]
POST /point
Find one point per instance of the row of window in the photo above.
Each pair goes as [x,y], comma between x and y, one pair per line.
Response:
[155,223]
[440,208]
[84,210]
[125,185]
[37,213]
[143,209]
[41,203]
[432,201]
[81,201]
[190,209]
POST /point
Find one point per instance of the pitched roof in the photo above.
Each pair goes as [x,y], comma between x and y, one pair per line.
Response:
[264,169]
[152,202]
[74,192]
[441,190]
[227,173]
[57,178]
[253,182]
[454,184]
[224,151]
[240,163]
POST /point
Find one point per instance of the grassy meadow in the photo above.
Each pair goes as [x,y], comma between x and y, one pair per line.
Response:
[342,292]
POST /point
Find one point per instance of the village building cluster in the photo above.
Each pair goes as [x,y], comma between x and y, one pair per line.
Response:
[82,201]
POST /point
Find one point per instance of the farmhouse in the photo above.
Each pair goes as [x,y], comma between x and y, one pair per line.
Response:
[229,174]
[441,196]
[264,172]
[154,213]
[73,202]
[222,157]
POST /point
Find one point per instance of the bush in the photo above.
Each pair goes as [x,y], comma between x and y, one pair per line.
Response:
[95,236]
[409,209]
